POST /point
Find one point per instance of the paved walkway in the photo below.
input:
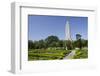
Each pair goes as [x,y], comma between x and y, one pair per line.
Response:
[70,55]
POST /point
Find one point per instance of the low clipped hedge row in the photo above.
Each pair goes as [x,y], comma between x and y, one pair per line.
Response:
[36,54]
[81,54]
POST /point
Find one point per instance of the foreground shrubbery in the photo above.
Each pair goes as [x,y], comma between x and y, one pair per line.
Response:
[45,54]
[81,54]
[53,48]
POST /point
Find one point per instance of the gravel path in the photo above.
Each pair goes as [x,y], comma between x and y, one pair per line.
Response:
[70,55]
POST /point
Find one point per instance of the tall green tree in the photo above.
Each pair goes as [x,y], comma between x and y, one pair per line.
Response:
[30,44]
[61,43]
[79,42]
[41,44]
[84,43]
[69,45]
[51,41]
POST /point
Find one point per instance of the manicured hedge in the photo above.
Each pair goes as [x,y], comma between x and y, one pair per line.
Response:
[38,54]
[81,54]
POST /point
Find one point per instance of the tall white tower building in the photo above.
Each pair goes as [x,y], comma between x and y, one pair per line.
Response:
[68,31]
[68,35]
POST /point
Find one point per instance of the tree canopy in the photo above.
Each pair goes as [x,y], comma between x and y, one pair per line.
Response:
[54,41]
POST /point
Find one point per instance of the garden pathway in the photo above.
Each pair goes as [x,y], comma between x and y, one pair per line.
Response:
[70,55]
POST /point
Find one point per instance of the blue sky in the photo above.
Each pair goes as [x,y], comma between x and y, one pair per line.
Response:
[40,27]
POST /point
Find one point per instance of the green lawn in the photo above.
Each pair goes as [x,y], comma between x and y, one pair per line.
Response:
[46,54]
[52,54]
[81,54]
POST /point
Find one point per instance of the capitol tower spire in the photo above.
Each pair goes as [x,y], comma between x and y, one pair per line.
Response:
[68,30]
[69,45]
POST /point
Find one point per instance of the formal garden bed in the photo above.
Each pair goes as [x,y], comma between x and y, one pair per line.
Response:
[81,54]
[45,54]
